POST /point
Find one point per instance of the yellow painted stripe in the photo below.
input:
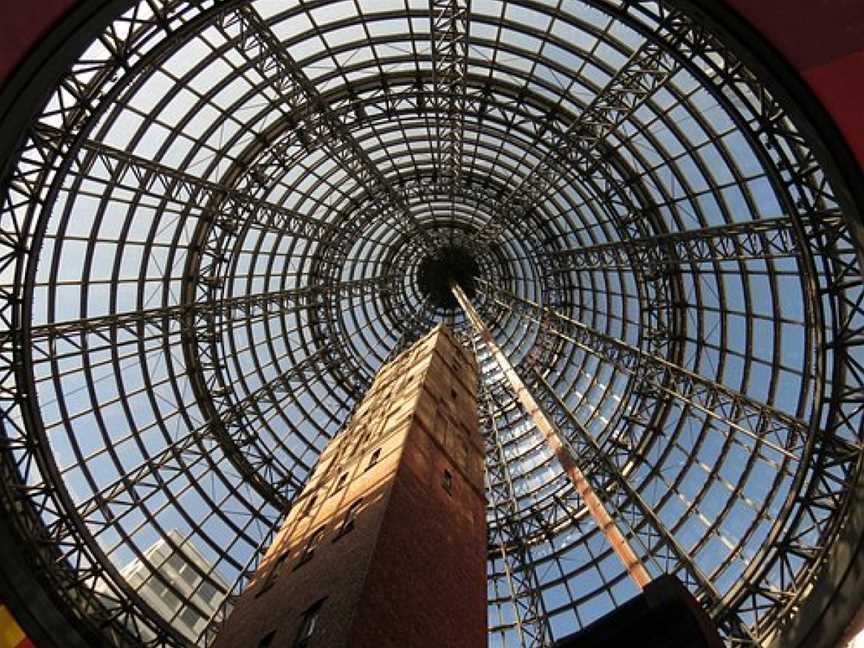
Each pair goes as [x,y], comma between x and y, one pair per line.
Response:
[11,633]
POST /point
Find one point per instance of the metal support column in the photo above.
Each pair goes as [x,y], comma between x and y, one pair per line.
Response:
[553,437]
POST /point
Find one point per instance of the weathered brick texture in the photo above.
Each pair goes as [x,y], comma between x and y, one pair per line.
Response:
[411,572]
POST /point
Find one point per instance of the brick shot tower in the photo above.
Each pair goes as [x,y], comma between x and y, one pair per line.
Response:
[386,545]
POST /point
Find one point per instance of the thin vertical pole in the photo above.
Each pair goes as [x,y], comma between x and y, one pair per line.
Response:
[551,434]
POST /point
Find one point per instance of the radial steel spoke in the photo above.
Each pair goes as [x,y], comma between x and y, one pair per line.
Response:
[508,537]
[743,241]
[762,422]
[449,37]
[296,146]
[234,309]
[580,147]
[317,123]
[228,208]
[233,434]
[211,630]
[630,509]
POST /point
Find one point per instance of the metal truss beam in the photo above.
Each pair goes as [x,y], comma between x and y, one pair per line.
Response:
[316,123]
[32,486]
[233,309]
[331,336]
[773,589]
[228,208]
[232,432]
[417,324]
[743,241]
[449,35]
[220,615]
[401,98]
[580,148]
[605,471]
[769,590]
[114,500]
[761,422]
[231,420]
[152,476]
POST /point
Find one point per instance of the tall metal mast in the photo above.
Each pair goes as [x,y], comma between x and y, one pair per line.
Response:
[559,447]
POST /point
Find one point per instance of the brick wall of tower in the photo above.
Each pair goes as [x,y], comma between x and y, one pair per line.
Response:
[412,571]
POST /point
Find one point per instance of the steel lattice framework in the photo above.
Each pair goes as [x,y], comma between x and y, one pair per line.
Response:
[215,228]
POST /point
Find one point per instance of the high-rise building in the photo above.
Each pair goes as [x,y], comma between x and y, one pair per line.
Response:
[178,582]
[386,545]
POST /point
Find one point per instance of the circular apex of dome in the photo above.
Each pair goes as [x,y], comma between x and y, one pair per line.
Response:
[451,264]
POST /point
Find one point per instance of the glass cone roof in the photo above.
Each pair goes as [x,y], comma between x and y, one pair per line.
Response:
[215,229]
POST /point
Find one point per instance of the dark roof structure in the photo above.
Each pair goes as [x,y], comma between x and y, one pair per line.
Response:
[219,218]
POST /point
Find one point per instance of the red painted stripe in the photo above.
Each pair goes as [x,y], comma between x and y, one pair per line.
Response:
[838,85]
[22,25]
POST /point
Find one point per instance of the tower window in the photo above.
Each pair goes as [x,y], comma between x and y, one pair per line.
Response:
[311,504]
[274,573]
[340,483]
[350,516]
[447,482]
[308,624]
[374,458]
[366,435]
[311,546]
